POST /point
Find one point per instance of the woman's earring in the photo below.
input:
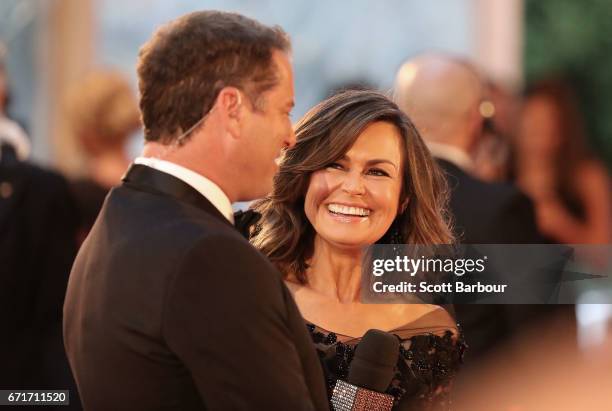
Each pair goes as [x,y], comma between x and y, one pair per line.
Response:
[396,236]
[396,239]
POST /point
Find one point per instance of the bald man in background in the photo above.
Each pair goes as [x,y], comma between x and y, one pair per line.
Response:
[442,95]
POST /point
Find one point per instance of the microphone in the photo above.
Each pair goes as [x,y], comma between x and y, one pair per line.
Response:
[369,375]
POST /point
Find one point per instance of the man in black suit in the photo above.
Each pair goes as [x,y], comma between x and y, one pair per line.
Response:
[38,228]
[168,306]
[442,94]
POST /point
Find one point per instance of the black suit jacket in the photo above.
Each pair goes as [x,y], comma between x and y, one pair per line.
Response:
[37,246]
[168,307]
[489,213]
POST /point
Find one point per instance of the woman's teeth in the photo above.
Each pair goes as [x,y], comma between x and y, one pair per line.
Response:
[346,210]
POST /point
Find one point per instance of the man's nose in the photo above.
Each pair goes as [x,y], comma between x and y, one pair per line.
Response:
[290,140]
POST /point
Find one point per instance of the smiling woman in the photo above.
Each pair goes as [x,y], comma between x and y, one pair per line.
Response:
[355,149]
[359,174]
[353,201]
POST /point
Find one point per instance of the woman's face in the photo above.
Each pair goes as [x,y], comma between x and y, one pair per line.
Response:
[353,201]
[539,128]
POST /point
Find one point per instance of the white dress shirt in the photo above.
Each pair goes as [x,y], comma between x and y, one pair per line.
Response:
[204,186]
[451,154]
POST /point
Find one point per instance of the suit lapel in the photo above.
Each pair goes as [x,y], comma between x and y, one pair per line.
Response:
[146,178]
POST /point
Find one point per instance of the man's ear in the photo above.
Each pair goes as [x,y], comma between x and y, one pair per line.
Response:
[229,104]
[475,126]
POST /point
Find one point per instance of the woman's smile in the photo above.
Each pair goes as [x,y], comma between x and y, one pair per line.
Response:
[354,200]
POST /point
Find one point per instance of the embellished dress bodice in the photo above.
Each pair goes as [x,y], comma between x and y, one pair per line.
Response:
[428,359]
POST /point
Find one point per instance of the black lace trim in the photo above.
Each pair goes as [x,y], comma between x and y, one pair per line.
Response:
[426,366]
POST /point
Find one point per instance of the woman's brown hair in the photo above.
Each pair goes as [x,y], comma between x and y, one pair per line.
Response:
[324,135]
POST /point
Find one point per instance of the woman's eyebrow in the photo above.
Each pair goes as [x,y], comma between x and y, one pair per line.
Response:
[371,162]
[381,160]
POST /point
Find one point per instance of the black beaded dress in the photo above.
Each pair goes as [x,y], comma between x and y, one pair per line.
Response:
[430,356]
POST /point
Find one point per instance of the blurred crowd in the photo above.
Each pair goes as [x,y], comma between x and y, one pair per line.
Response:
[45,216]
[526,151]
[539,143]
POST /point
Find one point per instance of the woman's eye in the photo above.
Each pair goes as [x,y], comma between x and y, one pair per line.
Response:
[336,166]
[378,172]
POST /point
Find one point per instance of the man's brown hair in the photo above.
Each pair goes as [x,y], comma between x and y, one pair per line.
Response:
[187,62]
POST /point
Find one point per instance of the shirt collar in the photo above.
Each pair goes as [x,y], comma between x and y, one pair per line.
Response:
[452,154]
[203,185]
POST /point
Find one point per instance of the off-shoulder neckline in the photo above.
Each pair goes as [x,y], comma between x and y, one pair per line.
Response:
[420,325]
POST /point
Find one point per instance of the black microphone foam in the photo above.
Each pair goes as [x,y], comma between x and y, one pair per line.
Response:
[374,360]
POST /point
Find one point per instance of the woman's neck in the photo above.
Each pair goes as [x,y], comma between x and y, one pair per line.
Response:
[335,271]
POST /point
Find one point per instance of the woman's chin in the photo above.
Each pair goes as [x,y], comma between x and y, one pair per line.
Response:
[346,242]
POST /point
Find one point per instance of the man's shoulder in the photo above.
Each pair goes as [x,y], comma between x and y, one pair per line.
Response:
[160,208]
[157,225]
[227,248]
[486,193]
[229,265]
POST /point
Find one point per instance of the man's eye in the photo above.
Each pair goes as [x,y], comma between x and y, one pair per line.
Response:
[378,172]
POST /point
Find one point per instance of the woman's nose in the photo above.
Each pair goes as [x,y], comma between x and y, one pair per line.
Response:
[353,183]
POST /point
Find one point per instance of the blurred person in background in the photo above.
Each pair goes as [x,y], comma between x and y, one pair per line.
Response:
[38,227]
[500,109]
[553,164]
[443,95]
[103,112]
[12,135]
